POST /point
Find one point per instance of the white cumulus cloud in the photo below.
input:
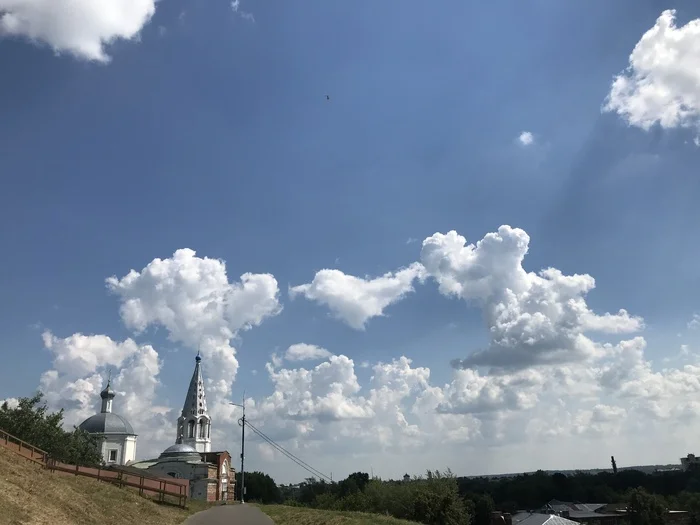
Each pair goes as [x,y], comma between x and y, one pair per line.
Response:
[305,352]
[193,299]
[540,381]
[81,365]
[532,318]
[661,85]
[355,300]
[83,28]
[526,138]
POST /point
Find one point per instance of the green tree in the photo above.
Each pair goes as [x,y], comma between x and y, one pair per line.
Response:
[31,421]
[483,507]
[355,482]
[645,508]
[690,502]
[259,487]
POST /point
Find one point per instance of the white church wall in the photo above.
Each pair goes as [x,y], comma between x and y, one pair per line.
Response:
[118,449]
[129,449]
[113,450]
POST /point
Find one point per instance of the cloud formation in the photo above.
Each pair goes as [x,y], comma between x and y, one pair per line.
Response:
[541,378]
[192,298]
[304,352]
[80,366]
[82,28]
[356,300]
[661,85]
[526,138]
[532,318]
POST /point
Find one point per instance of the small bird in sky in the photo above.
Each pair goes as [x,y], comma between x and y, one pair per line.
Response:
[328,97]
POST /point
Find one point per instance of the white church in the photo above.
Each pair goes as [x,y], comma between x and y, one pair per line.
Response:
[211,474]
[118,437]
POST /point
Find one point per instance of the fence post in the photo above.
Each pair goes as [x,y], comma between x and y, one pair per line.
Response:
[77,470]
[141,486]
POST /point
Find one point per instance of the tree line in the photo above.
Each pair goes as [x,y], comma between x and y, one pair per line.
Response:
[32,422]
[442,498]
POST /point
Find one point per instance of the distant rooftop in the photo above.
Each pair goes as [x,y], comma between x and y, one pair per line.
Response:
[529,518]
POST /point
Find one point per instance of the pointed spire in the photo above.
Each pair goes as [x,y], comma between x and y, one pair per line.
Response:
[193,425]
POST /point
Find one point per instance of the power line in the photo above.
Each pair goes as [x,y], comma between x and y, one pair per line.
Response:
[291,456]
[295,459]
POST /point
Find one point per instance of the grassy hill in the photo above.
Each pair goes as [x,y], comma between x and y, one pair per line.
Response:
[30,495]
[283,515]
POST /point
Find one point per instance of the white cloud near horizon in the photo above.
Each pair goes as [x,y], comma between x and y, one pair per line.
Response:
[541,380]
[661,84]
[82,28]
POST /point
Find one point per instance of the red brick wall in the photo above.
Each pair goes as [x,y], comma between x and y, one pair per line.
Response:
[218,459]
[211,491]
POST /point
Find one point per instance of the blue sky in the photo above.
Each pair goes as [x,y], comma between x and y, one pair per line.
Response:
[212,131]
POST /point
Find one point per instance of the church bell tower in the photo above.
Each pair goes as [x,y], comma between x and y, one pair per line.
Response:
[194,423]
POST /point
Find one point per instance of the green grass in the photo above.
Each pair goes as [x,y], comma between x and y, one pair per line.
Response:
[283,515]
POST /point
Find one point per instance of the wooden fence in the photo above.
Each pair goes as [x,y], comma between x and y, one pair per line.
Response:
[146,484]
[22,448]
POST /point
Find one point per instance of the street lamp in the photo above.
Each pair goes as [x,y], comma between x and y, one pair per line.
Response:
[241,422]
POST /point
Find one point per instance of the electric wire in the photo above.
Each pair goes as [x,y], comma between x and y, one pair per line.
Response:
[291,456]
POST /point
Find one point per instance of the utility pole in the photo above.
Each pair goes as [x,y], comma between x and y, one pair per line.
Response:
[241,422]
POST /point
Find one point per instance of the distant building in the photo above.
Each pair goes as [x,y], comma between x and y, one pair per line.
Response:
[533,518]
[118,438]
[406,478]
[589,513]
[211,475]
[599,513]
[689,461]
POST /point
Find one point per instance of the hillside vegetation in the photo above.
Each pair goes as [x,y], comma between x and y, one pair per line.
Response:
[30,495]
[283,515]
[32,422]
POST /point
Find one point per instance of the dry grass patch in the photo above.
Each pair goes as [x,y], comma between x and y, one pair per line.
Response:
[283,515]
[30,495]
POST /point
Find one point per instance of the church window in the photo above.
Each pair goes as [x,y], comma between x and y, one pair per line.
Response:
[208,431]
[202,429]
[113,455]
[190,429]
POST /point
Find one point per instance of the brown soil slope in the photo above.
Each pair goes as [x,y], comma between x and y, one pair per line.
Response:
[30,495]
